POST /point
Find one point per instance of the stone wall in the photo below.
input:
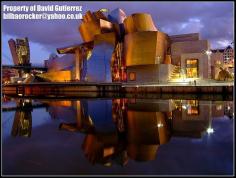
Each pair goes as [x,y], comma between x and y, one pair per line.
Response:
[150,73]
[179,48]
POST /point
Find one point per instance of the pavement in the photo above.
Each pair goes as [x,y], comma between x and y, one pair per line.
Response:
[182,83]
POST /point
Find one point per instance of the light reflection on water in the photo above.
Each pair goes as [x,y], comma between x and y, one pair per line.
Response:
[118,136]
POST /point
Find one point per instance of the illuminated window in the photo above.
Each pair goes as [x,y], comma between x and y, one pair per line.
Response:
[192,61]
[132,76]
[192,72]
[219,107]
[218,62]
[192,68]
[193,107]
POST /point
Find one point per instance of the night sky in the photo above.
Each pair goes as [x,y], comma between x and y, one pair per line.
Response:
[213,20]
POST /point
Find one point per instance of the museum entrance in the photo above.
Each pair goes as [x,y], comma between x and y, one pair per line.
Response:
[192,68]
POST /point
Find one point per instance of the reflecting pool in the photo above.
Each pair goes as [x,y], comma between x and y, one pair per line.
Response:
[109,136]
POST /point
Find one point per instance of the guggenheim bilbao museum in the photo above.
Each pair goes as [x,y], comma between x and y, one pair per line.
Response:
[120,48]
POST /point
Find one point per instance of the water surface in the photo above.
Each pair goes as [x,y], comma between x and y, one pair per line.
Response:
[124,136]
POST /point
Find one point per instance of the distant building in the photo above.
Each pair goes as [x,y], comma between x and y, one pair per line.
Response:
[7,74]
[20,51]
[222,59]
[228,54]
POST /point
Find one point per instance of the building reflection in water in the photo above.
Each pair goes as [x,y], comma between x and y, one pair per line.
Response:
[138,127]
[22,124]
[121,129]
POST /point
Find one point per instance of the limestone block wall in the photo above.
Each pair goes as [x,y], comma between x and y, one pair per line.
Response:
[143,73]
[179,48]
[185,37]
[165,71]
[150,73]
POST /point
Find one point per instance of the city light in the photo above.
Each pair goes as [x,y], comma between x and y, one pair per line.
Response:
[208,52]
[159,125]
[210,130]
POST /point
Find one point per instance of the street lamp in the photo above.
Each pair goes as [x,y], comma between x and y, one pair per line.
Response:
[210,130]
[208,53]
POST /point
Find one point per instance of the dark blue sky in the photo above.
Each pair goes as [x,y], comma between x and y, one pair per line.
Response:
[213,20]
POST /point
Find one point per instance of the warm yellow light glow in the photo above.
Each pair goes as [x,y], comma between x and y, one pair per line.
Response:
[90,121]
[108,151]
[218,62]
[219,107]
[103,10]
[89,55]
[183,79]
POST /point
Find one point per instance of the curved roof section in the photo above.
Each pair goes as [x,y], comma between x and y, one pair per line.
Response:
[117,16]
[139,22]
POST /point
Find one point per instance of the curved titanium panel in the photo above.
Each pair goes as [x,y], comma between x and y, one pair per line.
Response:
[140,48]
[56,76]
[145,132]
[106,37]
[139,22]
[88,16]
[99,64]
[143,48]
[117,16]
[61,63]
[88,30]
[142,152]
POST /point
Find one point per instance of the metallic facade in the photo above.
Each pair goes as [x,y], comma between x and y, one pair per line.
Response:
[139,22]
[120,48]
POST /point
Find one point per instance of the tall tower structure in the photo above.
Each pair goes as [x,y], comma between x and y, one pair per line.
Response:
[20,51]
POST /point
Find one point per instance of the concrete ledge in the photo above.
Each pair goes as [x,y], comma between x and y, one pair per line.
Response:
[179,89]
[101,89]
